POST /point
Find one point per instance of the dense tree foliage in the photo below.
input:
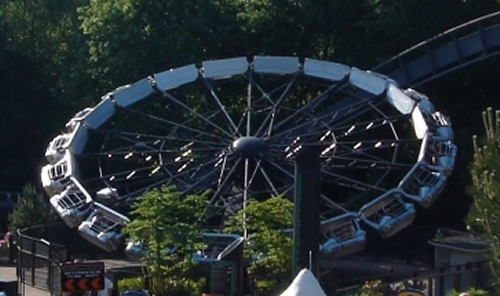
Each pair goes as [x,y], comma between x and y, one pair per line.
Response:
[38,64]
[129,40]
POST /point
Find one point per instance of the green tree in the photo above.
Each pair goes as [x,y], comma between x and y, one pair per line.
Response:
[48,33]
[269,247]
[483,218]
[129,40]
[167,224]
[32,209]
[41,57]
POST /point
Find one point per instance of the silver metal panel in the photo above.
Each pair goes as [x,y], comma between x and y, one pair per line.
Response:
[174,78]
[325,70]
[399,100]
[102,112]
[131,93]
[77,118]
[275,65]
[367,81]
[79,139]
[419,123]
[45,179]
[225,68]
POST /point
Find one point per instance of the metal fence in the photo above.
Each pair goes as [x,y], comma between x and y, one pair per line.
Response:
[432,281]
[38,263]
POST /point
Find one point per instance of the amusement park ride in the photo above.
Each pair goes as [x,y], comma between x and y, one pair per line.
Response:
[383,147]
[234,126]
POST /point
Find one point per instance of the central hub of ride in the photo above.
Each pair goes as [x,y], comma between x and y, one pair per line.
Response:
[248,147]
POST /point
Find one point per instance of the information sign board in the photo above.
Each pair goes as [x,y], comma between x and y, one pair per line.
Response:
[222,278]
[82,276]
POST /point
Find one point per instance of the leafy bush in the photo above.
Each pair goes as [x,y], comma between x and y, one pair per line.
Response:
[269,247]
[164,220]
[133,283]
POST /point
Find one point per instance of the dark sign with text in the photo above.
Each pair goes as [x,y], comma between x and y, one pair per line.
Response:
[222,278]
[81,277]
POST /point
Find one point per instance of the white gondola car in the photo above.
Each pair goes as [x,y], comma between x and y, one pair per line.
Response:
[341,236]
[439,125]
[56,177]
[72,204]
[103,227]
[388,213]
[438,154]
[56,148]
[219,245]
[422,185]
[107,193]
[134,250]
[426,119]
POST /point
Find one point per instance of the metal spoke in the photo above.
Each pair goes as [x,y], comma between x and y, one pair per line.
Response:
[271,115]
[268,180]
[221,107]
[196,114]
[310,105]
[157,120]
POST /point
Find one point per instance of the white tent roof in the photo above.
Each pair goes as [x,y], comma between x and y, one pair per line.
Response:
[304,284]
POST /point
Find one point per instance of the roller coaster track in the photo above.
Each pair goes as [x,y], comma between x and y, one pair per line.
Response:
[451,50]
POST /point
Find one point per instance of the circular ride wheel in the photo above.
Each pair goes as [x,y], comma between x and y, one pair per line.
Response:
[234,126]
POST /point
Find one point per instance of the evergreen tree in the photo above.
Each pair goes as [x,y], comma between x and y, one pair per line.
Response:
[32,209]
[484,215]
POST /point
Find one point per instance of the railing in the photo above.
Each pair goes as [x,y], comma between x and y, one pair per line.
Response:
[38,262]
[433,282]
